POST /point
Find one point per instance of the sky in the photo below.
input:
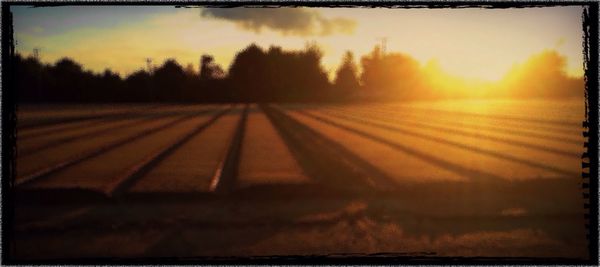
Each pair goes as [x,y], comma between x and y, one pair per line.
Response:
[473,43]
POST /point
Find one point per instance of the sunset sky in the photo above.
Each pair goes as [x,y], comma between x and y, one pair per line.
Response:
[473,43]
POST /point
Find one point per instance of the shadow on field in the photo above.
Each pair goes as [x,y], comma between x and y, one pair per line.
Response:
[352,208]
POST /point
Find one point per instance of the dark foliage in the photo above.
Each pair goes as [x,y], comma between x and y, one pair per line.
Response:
[346,83]
[255,75]
[392,75]
[277,75]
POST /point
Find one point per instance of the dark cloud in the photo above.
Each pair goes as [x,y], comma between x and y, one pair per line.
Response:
[296,21]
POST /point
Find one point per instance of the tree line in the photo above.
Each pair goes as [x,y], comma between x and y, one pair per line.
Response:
[255,75]
[274,75]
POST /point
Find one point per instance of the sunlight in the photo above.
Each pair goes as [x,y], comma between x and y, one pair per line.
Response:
[484,50]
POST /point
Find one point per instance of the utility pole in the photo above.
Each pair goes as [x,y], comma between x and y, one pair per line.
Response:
[149,64]
[383,44]
[36,52]
[38,82]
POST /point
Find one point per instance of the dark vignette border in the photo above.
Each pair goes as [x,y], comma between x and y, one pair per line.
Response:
[589,168]
[590,176]
[9,120]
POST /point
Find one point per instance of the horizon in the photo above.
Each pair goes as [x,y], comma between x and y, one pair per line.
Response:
[119,38]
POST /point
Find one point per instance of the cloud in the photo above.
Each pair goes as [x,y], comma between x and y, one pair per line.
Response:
[294,21]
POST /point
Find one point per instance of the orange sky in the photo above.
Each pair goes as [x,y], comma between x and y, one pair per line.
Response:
[474,43]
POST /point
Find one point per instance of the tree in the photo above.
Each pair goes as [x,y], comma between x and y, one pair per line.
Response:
[393,75]
[31,83]
[372,66]
[542,75]
[139,87]
[247,74]
[109,87]
[69,82]
[346,79]
[209,69]
[254,75]
[189,70]
[277,75]
[169,79]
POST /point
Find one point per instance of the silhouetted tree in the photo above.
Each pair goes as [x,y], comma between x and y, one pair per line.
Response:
[247,74]
[372,65]
[275,74]
[209,69]
[189,70]
[169,81]
[394,75]
[69,81]
[314,82]
[278,75]
[110,86]
[31,80]
[210,81]
[544,75]
[346,80]
[139,87]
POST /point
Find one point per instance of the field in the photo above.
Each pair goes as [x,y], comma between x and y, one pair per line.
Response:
[450,178]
